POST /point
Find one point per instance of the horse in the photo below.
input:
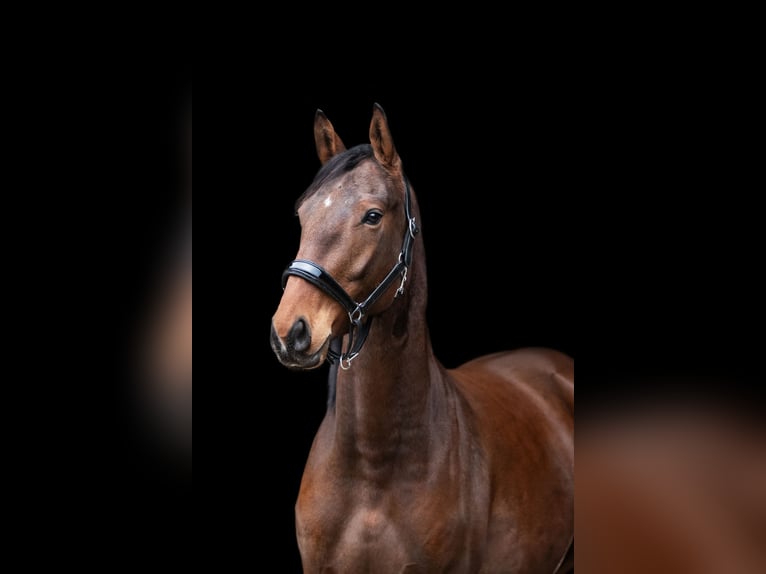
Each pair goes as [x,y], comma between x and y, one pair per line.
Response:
[415,467]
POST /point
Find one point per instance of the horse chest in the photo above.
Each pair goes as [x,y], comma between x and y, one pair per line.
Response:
[359,525]
[370,539]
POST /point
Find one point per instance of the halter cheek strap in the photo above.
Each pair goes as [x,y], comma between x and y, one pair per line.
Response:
[359,328]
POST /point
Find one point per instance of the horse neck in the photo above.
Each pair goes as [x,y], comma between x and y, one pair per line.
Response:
[381,401]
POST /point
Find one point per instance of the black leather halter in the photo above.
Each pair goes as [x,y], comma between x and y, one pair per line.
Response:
[359,328]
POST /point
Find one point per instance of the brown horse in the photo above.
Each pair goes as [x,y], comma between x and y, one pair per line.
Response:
[415,467]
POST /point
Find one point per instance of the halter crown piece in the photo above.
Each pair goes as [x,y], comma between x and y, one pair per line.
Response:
[358,327]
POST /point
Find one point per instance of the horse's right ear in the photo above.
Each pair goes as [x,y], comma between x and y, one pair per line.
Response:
[327,141]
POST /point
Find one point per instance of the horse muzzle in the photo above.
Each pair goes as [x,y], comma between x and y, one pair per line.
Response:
[294,350]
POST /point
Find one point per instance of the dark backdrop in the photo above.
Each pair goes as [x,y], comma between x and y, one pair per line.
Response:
[561,206]
[596,210]
[97,139]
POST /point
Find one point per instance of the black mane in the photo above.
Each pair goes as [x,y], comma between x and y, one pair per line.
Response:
[338,165]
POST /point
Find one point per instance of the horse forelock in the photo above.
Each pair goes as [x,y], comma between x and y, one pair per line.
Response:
[336,167]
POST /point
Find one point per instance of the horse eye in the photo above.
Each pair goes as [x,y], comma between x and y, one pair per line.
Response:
[372,217]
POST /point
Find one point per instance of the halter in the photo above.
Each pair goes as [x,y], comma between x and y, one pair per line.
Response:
[358,329]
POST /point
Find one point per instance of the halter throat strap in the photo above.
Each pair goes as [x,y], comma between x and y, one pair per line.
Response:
[357,311]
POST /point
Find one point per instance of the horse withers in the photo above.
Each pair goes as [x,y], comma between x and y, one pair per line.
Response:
[415,467]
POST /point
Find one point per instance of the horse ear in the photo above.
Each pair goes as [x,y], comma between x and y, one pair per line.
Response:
[381,140]
[327,141]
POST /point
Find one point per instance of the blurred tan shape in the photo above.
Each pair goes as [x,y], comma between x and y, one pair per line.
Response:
[671,490]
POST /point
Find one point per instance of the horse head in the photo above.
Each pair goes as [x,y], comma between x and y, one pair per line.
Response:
[352,260]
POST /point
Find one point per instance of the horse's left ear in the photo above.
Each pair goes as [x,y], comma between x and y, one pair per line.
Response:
[381,140]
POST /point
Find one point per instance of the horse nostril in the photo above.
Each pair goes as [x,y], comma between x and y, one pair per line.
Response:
[299,337]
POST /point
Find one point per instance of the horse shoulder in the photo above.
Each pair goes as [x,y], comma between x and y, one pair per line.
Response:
[521,404]
[521,400]
[534,378]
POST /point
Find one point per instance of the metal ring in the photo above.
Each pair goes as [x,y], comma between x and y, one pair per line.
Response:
[347,359]
[357,310]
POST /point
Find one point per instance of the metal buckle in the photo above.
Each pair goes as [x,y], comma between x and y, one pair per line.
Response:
[413,227]
[400,290]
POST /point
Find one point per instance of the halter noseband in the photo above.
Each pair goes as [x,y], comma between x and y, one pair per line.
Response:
[358,330]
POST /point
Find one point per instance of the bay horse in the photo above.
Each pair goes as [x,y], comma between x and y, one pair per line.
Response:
[415,467]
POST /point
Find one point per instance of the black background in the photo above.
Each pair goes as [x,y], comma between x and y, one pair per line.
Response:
[590,209]
[98,166]
[568,202]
